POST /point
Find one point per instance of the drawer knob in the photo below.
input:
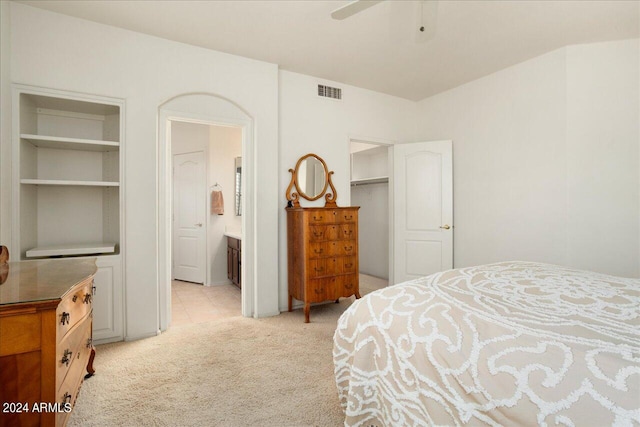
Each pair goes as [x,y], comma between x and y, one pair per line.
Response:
[65,318]
[66,398]
[66,357]
[87,298]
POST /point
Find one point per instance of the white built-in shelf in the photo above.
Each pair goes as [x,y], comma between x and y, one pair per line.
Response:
[74,249]
[68,182]
[374,180]
[58,142]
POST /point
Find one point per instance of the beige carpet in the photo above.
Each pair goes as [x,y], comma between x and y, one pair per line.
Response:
[232,372]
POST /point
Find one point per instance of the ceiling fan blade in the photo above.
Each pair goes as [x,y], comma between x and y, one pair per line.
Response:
[352,8]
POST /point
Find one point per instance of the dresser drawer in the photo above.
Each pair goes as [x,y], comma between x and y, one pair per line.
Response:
[74,307]
[341,247]
[347,216]
[347,231]
[319,290]
[71,348]
[346,285]
[320,233]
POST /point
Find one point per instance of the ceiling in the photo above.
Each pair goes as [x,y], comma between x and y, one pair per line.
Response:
[379,48]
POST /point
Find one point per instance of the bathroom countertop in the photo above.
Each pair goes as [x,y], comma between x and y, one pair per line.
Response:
[234,234]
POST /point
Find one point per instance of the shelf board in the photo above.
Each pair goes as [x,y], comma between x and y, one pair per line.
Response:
[374,180]
[58,142]
[73,249]
[68,182]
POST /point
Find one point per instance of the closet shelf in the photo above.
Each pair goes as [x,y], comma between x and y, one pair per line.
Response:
[43,141]
[374,180]
[73,249]
[68,182]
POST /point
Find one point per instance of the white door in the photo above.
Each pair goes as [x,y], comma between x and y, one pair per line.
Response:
[189,215]
[422,209]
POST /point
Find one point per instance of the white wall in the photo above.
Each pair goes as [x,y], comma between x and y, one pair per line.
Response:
[546,160]
[145,71]
[310,124]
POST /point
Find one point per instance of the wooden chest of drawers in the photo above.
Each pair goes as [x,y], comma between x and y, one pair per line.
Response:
[45,339]
[322,248]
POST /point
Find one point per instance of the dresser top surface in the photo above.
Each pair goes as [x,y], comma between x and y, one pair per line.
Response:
[42,280]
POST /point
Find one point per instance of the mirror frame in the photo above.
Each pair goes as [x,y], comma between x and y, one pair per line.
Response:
[294,197]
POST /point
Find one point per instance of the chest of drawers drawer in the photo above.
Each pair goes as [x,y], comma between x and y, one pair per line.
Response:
[74,307]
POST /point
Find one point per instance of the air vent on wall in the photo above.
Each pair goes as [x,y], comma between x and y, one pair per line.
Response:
[329,92]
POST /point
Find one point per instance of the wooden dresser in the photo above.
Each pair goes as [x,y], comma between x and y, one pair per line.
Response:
[322,254]
[45,339]
[322,242]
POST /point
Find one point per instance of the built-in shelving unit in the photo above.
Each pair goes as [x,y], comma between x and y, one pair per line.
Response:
[69,156]
[68,188]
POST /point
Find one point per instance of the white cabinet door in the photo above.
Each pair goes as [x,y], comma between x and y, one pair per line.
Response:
[423,209]
[107,300]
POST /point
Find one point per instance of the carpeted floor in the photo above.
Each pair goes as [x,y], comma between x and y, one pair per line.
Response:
[231,372]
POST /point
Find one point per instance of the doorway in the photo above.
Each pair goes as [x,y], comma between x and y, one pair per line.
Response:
[205,109]
[406,217]
[370,191]
[207,207]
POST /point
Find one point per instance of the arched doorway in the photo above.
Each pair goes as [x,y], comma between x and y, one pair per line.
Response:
[209,108]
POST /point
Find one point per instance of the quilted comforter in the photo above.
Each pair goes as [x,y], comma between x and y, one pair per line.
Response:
[513,343]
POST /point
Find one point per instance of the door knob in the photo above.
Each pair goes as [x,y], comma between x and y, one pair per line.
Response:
[446,226]
[199,224]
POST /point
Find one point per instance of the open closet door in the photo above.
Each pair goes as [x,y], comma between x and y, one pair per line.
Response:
[422,209]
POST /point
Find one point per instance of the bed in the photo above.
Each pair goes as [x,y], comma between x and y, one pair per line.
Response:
[514,343]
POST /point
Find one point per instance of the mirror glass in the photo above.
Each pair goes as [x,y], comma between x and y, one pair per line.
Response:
[238,181]
[311,177]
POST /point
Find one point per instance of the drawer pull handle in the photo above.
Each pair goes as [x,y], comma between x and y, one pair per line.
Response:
[348,248]
[318,234]
[66,357]
[349,217]
[66,398]
[348,232]
[318,251]
[87,298]
[319,269]
[89,342]
[349,265]
[318,291]
[65,318]
[317,218]
[348,286]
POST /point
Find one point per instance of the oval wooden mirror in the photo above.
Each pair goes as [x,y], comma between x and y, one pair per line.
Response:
[311,179]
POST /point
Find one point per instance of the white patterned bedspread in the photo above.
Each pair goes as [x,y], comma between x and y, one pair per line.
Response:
[509,344]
